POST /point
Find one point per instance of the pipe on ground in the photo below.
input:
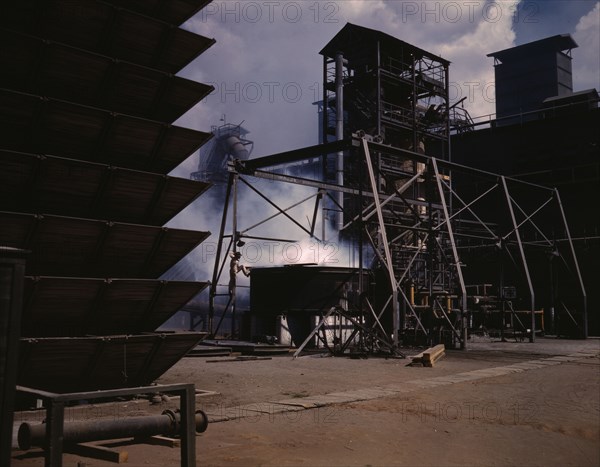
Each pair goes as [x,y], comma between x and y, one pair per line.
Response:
[169,423]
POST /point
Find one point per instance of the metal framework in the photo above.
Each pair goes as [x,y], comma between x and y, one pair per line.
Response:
[55,416]
[432,231]
[426,222]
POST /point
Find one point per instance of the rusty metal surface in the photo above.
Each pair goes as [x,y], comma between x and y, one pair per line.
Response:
[67,246]
[58,306]
[86,104]
[95,191]
[173,11]
[131,37]
[40,125]
[71,364]
[78,75]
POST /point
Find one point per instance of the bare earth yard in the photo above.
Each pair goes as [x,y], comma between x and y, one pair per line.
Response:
[496,404]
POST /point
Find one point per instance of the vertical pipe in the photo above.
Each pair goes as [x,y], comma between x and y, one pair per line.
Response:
[339,132]
[431,245]
[523,257]
[579,277]
[379,109]
[447,116]
[415,140]
[325,116]
[501,292]
[324,139]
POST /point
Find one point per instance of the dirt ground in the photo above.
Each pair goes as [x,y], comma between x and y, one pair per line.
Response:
[539,414]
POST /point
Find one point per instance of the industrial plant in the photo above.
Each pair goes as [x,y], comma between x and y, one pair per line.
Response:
[456,231]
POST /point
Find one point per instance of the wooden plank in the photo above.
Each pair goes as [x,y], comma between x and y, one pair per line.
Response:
[434,352]
[430,356]
[159,441]
[97,452]
[239,359]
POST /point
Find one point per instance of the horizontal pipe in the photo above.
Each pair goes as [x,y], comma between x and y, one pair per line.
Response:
[169,423]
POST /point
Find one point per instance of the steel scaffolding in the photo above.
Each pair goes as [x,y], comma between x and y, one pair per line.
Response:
[428,252]
[434,229]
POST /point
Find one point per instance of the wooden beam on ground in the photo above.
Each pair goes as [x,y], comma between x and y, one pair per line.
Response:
[239,359]
[97,452]
[428,357]
[159,441]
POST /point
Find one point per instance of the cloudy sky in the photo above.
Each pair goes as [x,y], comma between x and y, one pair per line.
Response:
[267,71]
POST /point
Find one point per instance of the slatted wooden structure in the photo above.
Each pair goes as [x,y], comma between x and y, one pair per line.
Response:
[88,98]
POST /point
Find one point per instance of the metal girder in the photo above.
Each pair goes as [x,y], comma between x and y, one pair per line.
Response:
[467,207]
[523,257]
[457,264]
[528,218]
[397,217]
[446,164]
[577,269]
[386,246]
[297,155]
[55,416]
[216,271]
[242,168]
[370,210]
[280,210]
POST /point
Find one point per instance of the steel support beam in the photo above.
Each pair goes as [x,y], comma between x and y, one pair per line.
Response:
[12,271]
[55,416]
[297,154]
[217,269]
[523,257]
[576,262]
[463,289]
[386,247]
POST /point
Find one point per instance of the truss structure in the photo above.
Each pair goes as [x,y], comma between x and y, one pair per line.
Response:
[434,228]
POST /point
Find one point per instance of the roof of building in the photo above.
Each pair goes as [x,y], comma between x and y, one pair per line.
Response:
[573,97]
[556,43]
[352,35]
